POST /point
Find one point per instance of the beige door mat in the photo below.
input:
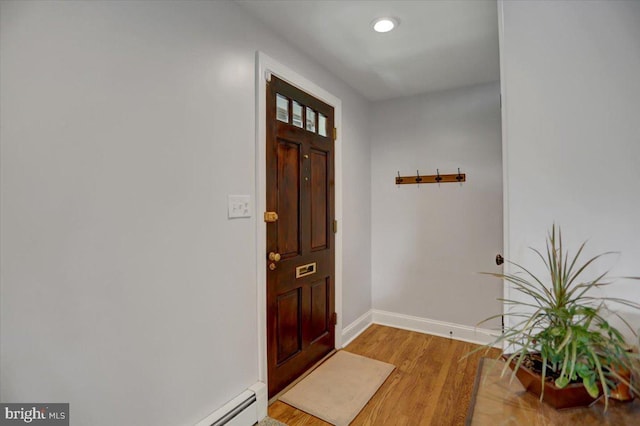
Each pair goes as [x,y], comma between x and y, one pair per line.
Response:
[339,389]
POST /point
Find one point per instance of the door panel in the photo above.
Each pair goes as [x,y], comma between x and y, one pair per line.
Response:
[289,324]
[319,309]
[289,200]
[300,189]
[319,206]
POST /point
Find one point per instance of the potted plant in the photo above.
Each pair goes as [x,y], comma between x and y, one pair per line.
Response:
[559,339]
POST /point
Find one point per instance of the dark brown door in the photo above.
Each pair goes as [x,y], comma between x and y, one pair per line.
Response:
[300,243]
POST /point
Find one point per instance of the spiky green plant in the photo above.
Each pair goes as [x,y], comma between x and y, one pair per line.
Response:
[563,322]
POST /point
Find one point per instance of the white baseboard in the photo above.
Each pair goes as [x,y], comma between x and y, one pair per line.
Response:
[356,328]
[262,399]
[481,336]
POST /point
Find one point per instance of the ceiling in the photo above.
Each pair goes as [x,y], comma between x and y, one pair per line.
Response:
[439,44]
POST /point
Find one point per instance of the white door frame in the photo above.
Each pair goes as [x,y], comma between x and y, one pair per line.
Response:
[506,236]
[265,67]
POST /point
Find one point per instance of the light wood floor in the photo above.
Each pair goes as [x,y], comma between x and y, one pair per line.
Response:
[430,385]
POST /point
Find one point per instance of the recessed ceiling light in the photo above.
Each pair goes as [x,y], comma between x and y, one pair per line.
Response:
[384,25]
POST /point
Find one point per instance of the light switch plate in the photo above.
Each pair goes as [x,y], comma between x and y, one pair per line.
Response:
[239,206]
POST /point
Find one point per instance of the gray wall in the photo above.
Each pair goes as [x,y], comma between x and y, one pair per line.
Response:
[125,290]
[430,241]
[571,91]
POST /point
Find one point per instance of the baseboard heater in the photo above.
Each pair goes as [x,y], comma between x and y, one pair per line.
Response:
[243,410]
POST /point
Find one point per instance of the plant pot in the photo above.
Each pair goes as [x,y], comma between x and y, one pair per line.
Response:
[621,391]
[571,396]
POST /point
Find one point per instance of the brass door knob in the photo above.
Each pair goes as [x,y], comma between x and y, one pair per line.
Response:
[274,257]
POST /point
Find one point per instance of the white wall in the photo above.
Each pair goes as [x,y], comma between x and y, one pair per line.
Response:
[571,92]
[125,290]
[356,214]
[430,241]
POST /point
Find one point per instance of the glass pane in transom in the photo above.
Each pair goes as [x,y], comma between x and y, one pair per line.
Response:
[311,120]
[282,108]
[322,124]
[297,114]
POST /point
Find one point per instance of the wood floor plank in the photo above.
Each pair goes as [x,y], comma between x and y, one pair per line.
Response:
[431,385]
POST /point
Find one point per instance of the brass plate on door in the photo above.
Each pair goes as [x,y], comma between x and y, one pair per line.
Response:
[304,270]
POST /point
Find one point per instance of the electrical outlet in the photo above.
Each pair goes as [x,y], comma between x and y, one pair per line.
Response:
[239,206]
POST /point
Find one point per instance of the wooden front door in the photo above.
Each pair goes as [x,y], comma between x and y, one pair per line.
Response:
[300,242]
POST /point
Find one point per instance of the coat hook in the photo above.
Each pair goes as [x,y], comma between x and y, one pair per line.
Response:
[459,177]
[438,177]
[399,179]
[418,178]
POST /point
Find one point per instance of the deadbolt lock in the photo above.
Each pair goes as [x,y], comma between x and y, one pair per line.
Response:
[274,257]
[272,266]
[270,217]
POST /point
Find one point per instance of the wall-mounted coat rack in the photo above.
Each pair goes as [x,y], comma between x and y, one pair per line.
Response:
[437,178]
